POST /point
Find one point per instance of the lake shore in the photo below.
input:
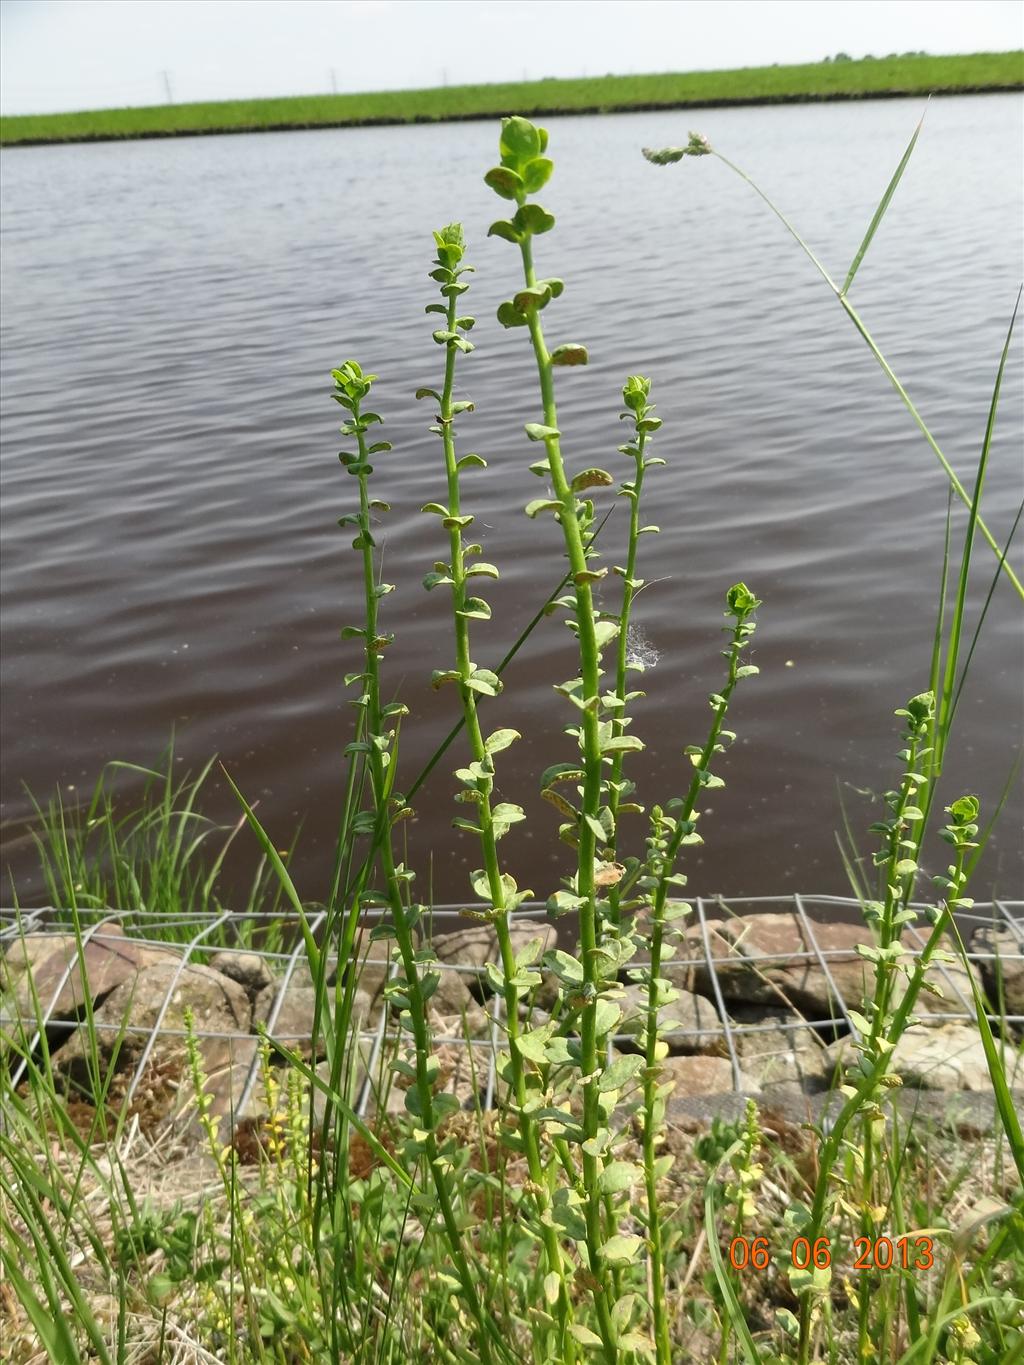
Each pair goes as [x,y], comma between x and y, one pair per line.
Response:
[882,78]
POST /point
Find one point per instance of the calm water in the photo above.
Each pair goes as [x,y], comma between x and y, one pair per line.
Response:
[170,488]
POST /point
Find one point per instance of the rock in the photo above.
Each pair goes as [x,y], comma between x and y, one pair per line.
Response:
[218,1005]
[289,1015]
[477,945]
[946,1056]
[699,1026]
[49,964]
[249,969]
[453,995]
[776,1047]
[704,1076]
[470,1021]
[768,959]
[1002,967]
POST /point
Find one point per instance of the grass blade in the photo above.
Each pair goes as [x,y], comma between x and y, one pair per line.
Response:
[1004,1100]
[880,211]
[944,708]
[737,1317]
[984,612]
[858,322]
[50,1323]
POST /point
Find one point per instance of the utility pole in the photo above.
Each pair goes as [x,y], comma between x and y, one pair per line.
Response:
[167,86]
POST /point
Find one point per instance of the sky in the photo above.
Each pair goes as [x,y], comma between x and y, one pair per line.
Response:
[59,55]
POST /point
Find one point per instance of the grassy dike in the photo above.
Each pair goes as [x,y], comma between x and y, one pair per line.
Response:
[870,78]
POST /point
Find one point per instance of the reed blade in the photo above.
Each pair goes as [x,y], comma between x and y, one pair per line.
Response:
[880,211]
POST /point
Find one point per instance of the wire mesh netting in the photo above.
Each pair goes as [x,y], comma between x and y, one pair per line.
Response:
[707,952]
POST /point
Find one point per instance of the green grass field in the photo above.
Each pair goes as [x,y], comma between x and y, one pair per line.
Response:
[869,78]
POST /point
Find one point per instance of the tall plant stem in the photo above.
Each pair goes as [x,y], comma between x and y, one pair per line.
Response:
[489,839]
[866,1085]
[590,675]
[629,590]
[684,829]
[416,1014]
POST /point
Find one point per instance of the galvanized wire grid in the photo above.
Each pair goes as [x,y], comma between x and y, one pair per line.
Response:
[224,932]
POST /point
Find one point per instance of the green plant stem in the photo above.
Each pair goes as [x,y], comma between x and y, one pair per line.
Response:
[651,1127]
[417,1012]
[489,842]
[592,786]
[898,888]
[831,1146]
[621,656]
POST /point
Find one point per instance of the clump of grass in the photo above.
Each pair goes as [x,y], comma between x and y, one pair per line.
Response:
[577,1221]
[153,850]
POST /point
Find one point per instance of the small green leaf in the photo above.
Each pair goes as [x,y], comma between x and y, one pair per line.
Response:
[571,353]
[583,1334]
[621,1248]
[475,609]
[530,300]
[536,174]
[560,804]
[510,316]
[591,478]
[506,813]
[532,1044]
[596,828]
[539,505]
[532,219]
[500,739]
[536,431]
[619,1071]
[504,229]
[520,138]
[566,968]
[606,1015]
[484,681]
[561,772]
[618,1176]
[504,181]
